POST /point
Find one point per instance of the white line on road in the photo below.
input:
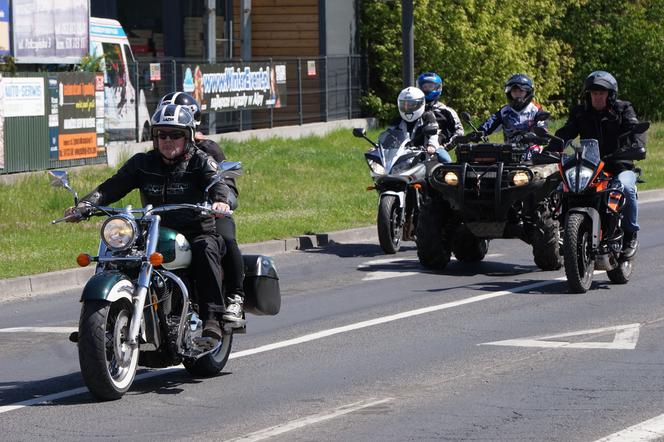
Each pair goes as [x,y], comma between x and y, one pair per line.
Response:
[652,429]
[38,330]
[375,275]
[308,338]
[309,420]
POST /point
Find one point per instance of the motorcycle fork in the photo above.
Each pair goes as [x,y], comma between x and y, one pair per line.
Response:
[144,278]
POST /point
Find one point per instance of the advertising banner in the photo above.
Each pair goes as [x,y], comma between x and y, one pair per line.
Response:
[53,121]
[4,28]
[77,135]
[23,96]
[236,86]
[50,31]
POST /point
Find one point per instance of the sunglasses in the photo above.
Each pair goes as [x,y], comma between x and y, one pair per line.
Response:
[173,135]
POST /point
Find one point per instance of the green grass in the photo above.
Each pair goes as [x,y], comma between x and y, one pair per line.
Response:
[289,188]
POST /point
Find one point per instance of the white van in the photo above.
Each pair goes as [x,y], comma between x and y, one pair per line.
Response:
[107,38]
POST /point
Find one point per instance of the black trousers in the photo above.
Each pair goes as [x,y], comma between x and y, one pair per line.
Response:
[207,250]
[232,263]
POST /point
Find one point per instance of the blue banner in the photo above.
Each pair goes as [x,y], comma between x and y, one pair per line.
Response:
[5,48]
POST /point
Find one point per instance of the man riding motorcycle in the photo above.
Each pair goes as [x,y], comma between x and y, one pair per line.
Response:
[176,172]
[603,117]
[232,262]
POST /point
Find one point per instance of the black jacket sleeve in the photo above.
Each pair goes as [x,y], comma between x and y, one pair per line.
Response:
[116,187]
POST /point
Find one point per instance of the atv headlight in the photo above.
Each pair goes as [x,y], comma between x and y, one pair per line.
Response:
[451,178]
[585,174]
[119,233]
[520,178]
[376,167]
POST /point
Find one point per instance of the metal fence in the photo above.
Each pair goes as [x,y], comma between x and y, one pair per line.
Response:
[318,89]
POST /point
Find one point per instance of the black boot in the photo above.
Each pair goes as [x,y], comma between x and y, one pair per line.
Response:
[630,245]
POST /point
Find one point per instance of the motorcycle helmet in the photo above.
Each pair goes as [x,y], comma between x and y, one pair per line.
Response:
[523,82]
[431,84]
[183,99]
[600,81]
[174,117]
[411,104]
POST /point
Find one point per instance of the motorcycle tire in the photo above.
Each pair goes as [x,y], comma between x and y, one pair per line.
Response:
[469,248]
[577,244]
[622,273]
[433,247]
[212,363]
[108,364]
[390,224]
[546,244]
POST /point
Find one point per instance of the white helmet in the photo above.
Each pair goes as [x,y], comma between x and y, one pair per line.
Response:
[411,103]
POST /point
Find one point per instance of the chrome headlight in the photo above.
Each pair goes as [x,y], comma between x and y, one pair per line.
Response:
[585,174]
[119,233]
[376,167]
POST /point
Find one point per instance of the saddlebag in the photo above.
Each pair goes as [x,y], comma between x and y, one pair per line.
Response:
[261,285]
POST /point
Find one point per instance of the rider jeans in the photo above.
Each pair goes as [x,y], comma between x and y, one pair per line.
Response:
[443,155]
[631,211]
[207,250]
[232,262]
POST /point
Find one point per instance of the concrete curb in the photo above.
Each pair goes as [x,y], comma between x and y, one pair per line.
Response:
[46,283]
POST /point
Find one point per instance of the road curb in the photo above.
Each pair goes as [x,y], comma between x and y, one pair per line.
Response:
[47,283]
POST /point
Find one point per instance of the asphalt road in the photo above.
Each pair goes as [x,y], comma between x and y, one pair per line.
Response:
[372,347]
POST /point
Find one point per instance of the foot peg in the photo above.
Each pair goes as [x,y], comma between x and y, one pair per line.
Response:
[73,337]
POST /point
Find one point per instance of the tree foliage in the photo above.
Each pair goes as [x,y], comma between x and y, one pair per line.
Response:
[475,45]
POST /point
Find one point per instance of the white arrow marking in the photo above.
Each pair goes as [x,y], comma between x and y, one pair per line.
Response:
[396,273]
[625,338]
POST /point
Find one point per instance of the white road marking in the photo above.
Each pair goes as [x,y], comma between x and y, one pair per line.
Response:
[309,420]
[307,338]
[386,274]
[38,330]
[652,429]
[626,337]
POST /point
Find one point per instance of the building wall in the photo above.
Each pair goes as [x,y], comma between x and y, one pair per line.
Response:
[284,28]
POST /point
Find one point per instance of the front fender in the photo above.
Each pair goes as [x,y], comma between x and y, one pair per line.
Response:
[593,214]
[400,195]
[108,286]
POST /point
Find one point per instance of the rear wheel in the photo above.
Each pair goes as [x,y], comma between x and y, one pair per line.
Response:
[390,224]
[433,248]
[577,247]
[212,363]
[469,248]
[108,363]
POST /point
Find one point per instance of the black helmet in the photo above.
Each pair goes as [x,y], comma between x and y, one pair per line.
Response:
[600,81]
[523,82]
[183,99]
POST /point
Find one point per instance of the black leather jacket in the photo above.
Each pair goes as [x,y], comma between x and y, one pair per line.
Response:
[214,150]
[606,127]
[161,184]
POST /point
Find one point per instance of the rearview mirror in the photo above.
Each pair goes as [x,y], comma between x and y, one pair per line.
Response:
[430,130]
[359,132]
[542,116]
[465,116]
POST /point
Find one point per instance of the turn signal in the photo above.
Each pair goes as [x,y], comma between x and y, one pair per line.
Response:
[83,260]
[417,186]
[156,259]
[371,188]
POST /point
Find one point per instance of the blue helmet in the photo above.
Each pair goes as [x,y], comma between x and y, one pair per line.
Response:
[431,84]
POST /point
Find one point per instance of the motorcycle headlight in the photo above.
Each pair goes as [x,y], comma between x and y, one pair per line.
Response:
[585,174]
[403,165]
[119,233]
[376,167]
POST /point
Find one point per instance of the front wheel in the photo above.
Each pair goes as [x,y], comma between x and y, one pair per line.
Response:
[577,248]
[390,224]
[212,363]
[622,273]
[108,363]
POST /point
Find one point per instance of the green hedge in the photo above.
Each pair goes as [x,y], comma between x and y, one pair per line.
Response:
[475,45]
